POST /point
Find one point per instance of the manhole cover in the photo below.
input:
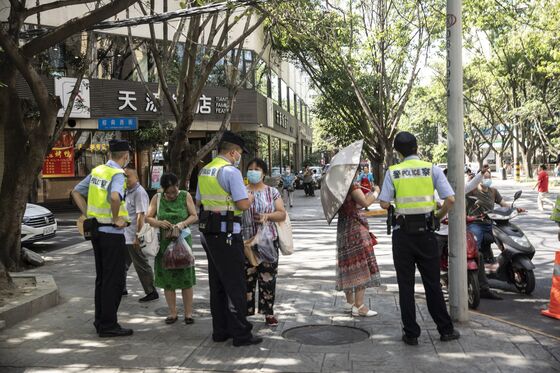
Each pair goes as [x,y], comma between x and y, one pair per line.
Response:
[325,335]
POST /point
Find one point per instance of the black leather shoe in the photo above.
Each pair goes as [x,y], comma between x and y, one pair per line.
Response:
[117,332]
[450,337]
[150,297]
[248,342]
[219,338]
[411,341]
[489,294]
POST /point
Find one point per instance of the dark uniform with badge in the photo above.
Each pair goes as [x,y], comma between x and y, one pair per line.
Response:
[108,240]
[411,185]
[220,186]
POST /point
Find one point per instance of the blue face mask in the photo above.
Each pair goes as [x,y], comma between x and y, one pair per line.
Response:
[254,176]
[487,182]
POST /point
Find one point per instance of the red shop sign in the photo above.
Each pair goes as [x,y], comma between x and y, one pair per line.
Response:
[59,163]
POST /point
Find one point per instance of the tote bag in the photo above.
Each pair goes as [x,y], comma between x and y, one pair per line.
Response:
[285,238]
[148,236]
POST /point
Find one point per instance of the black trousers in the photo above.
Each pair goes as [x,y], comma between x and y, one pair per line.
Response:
[110,252]
[419,250]
[228,290]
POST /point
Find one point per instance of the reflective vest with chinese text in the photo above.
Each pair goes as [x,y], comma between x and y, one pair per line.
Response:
[98,205]
[414,187]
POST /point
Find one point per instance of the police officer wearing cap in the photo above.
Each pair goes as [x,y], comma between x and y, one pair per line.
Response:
[101,196]
[411,185]
[222,197]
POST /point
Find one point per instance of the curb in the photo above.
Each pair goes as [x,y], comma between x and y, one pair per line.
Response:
[42,297]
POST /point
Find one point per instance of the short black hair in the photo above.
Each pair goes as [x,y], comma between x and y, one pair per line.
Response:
[259,163]
[227,146]
[543,166]
[169,180]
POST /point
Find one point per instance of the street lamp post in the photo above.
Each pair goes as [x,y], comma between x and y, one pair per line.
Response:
[456,164]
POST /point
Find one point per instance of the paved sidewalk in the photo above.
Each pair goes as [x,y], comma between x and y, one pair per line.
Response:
[63,339]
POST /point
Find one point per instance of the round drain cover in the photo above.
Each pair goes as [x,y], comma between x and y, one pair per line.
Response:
[325,335]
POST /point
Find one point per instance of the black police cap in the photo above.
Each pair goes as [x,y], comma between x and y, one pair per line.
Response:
[117,145]
[232,138]
[405,142]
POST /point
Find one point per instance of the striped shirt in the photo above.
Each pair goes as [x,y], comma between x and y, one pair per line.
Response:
[263,204]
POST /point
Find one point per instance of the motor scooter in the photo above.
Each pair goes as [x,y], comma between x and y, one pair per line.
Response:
[514,263]
[473,287]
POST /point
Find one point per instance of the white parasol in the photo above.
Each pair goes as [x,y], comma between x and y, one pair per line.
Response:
[339,177]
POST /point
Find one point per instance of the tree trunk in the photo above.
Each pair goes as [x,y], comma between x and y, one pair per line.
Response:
[178,143]
[24,150]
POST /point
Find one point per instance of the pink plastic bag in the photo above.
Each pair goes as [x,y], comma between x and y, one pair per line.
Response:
[178,255]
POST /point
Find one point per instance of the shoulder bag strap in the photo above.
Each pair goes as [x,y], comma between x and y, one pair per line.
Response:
[158,201]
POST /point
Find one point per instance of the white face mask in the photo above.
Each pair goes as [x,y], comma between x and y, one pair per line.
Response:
[487,182]
[237,161]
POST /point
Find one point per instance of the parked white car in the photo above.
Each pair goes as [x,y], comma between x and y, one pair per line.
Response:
[38,224]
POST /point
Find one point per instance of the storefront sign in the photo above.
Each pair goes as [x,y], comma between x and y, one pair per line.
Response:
[59,163]
[117,124]
[63,88]
[155,178]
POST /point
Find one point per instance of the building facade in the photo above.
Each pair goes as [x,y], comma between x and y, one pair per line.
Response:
[271,110]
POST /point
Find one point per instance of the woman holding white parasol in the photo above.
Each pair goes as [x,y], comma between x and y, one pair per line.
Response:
[357,267]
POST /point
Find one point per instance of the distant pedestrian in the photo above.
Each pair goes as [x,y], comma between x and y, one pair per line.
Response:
[104,189]
[288,180]
[365,179]
[266,209]
[175,214]
[308,182]
[542,188]
[137,202]
[356,266]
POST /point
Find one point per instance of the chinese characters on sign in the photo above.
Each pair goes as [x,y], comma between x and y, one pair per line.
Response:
[117,124]
[281,119]
[128,99]
[59,163]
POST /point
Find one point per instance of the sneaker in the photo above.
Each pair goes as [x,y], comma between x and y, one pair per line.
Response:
[150,297]
[270,320]
[450,336]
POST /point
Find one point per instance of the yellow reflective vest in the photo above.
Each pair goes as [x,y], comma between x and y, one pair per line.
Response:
[98,205]
[212,196]
[414,187]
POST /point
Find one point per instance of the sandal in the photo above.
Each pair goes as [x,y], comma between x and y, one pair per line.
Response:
[358,311]
[171,320]
[189,320]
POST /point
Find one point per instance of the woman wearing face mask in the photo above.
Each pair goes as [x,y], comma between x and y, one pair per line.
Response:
[266,209]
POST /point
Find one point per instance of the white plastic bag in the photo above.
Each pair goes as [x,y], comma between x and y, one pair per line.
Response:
[148,236]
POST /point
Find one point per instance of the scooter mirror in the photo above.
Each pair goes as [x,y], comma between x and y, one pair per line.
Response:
[517,195]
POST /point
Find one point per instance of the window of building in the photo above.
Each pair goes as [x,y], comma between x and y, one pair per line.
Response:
[301,110]
[217,77]
[247,64]
[306,119]
[286,160]
[291,103]
[274,88]
[263,143]
[276,157]
[296,106]
[284,95]
[262,79]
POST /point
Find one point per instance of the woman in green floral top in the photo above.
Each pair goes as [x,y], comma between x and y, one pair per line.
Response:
[176,212]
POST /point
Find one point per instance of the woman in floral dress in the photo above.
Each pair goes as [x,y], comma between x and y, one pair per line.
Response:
[356,268]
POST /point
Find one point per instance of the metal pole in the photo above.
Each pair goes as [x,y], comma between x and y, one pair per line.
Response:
[458,300]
